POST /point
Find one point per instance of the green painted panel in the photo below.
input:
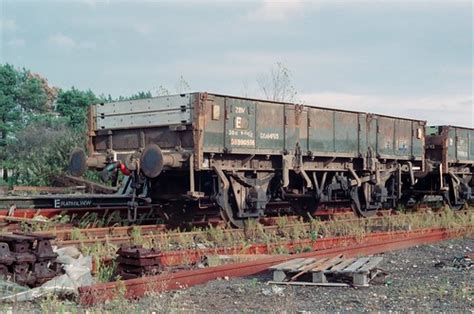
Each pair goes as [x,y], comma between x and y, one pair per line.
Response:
[214,124]
[296,128]
[362,134]
[346,135]
[403,137]
[418,137]
[270,127]
[321,130]
[371,125]
[452,144]
[385,136]
[303,126]
[462,144]
[291,132]
[471,144]
[240,124]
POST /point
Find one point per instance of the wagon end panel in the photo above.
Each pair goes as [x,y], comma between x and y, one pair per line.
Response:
[130,125]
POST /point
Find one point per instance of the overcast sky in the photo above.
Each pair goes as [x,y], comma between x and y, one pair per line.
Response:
[405,58]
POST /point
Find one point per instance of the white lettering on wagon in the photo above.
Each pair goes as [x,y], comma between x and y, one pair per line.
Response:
[60,203]
[239,109]
[246,133]
[269,136]
[242,142]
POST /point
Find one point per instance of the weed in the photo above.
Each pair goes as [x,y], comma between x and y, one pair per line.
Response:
[104,273]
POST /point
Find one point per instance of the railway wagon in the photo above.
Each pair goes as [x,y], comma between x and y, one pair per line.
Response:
[449,164]
[243,155]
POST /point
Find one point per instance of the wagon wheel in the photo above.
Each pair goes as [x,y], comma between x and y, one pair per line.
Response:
[453,200]
[228,217]
[362,203]
[223,199]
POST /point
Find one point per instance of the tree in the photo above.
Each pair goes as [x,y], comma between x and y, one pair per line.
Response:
[21,93]
[73,105]
[139,95]
[40,150]
[276,85]
[9,111]
[31,95]
[182,86]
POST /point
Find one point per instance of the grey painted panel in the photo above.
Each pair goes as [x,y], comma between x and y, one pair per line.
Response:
[144,119]
[162,103]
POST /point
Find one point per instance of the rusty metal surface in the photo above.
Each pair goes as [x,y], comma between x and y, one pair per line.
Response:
[70,201]
[121,235]
[450,145]
[136,261]
[371,244]
[27,259]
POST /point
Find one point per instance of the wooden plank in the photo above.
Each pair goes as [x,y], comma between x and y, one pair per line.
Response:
[360,279]
[304,283]
[296,264]
[333,261]
[285,264]
[356,265]
[346,262]
[374,261]
[40,219]
[318,262]
[304,270]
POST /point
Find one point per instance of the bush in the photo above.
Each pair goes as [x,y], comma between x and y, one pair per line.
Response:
[41,150]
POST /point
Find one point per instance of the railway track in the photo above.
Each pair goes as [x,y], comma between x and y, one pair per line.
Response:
[349,247]
[267,229]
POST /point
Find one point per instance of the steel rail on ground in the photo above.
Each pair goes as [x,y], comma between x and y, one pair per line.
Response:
[370,244]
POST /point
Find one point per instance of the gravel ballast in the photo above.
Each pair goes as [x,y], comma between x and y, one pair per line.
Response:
[413,284]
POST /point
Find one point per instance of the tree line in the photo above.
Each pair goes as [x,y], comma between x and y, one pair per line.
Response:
[40,124]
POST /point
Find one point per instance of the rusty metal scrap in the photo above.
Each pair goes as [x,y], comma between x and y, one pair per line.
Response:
[27,259]
[136,261]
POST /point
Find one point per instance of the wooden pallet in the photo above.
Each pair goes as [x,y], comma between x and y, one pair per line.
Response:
[327,271]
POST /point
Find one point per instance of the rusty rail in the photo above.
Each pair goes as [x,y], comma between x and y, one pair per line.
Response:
[122,235]
[371,244]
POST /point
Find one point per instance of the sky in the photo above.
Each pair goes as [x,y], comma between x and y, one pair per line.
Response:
[404,58]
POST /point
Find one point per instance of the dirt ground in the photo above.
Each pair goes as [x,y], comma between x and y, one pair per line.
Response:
[413,284]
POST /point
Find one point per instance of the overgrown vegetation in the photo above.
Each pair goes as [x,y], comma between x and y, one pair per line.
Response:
[296,231]
[40,125]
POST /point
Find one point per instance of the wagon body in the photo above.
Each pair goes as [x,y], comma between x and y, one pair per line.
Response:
[216,124]
[241,153]
[450,145]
